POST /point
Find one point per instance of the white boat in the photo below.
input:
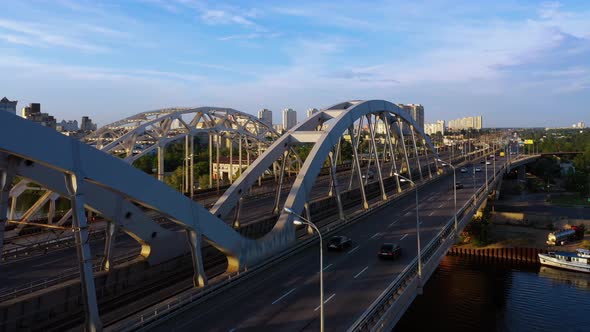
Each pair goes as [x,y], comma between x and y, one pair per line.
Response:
[578,261]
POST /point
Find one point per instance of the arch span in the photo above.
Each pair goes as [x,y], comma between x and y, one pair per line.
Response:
[323,129]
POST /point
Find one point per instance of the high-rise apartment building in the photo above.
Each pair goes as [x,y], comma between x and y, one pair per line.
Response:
[433,128]
[416,111]
[265,115]
[8,105]
[311,111]
[470,122]
[289,118]
[86,125]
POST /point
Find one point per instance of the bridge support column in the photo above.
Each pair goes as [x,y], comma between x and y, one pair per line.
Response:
[403,141]
[194,241]
[109,240]
[355,147]
[358,169]
[374,145]
[280,183]
[75,188]
[7,172]
[416,151]
[236,222]
[335,184]
[521,170]
[51,212]
[161,162]
[388,139]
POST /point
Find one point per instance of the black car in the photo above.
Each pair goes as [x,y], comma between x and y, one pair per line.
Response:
[459,185]
[339,242]
[389,251]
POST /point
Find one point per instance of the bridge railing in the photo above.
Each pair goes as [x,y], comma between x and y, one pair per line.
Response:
[183,302]
[374,314]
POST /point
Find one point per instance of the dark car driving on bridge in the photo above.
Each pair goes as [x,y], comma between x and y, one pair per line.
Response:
[389,251]
[459,185]
[339,242]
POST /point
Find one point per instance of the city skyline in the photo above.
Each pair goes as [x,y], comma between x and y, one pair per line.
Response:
[514,63]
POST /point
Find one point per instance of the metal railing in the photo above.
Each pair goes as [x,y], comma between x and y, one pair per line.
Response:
[372,315]
[183,302]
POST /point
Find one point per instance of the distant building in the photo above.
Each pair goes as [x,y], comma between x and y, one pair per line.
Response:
[265,115]
[278,128]
[8,106]
[289,118]
[67,126]
[416,111]
[579,125]
[33,113]
[311,111]
[86,125]
[433,128]
[470,122]
[227,169]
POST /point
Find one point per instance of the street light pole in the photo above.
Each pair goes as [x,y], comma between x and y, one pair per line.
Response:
[309,223]
[417,224]
[454,189]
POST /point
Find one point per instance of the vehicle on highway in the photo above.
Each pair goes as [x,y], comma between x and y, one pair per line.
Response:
[369,175]
[477,169]
[459,185]
[488,162]
[463,170]
[389,251]
[339,242]
[482,161]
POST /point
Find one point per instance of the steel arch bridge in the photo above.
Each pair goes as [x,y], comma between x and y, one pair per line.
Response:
[146,132]
[110,186]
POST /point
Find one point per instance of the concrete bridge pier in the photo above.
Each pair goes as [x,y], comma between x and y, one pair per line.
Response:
[521,171]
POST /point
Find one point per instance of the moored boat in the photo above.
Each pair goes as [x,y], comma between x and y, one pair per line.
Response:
[575,261]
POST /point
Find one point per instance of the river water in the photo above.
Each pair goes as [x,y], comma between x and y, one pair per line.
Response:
[467,294]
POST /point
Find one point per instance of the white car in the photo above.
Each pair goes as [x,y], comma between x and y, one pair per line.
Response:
[463,170]
[488,162]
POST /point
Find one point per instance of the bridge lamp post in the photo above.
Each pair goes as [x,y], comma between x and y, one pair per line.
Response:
[303,221]
[405,179]
[444,163]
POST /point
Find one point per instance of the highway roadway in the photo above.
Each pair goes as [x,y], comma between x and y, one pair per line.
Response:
[287,299]
[19,273]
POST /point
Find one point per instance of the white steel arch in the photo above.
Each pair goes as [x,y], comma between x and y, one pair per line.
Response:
[341,117]
[141,133]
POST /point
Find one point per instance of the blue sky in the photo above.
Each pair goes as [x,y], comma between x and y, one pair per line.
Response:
[517,63]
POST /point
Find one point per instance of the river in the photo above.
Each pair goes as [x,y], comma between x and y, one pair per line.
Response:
[466,294]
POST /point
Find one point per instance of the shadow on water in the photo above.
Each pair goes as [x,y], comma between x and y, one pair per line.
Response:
[467,294]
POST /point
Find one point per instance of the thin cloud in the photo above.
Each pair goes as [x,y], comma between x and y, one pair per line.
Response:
[39,35]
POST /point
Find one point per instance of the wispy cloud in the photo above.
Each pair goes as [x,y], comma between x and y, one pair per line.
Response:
[31,35]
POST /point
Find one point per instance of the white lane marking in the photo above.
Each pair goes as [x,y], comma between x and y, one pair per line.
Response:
[393,223]
[407,214]
[280,298]
[232,330]
[403,237]
[352,250]
[327,267]
[420,223]
[431,213]
[376,234]
[449,198]
[326,301]
[363,270]
[441,205]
